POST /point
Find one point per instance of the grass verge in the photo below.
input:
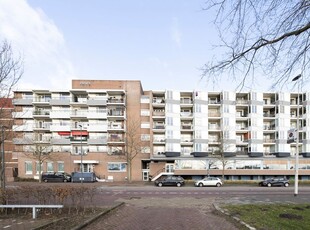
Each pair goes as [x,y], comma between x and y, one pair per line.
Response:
[272,216]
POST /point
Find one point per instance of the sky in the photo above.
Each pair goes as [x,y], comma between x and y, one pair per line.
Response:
[162,43]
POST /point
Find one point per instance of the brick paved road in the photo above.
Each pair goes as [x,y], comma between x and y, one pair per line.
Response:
[163,214]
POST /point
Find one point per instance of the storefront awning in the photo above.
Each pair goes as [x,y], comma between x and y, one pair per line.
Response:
[79,133]
[64,133]
[86,162]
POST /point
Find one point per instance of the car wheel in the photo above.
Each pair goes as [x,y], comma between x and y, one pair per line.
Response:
[65,180]
[200,185]
[179,184]
[285,184]
[218,185]
[269,185]
[45,180]
[160,184]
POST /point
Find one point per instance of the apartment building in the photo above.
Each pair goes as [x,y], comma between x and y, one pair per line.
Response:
[115,127]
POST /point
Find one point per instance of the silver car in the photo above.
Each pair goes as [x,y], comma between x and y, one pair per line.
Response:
[209,181]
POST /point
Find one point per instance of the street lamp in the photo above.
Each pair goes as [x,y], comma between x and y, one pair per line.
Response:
[81,168]
[297,138]
[2,158]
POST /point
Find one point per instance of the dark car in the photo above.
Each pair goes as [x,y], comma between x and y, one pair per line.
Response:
[274,182]
[56,177]
[170,181]
[84,177]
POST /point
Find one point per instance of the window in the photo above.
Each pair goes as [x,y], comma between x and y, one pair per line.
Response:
[169,94]
[169,147]
[198,134]
[226,96]
[145,137]
[169,134]
[226,108]
[197,108]
[145,99]
[145,149]
[61,166]
[254,134]
[253,109]
[226,134]
[226,121]
[169,108]
[198,147]
[49,167]
[169,121]
[145,125]
[145,112]
[38,167]
[117,167]
[28,167]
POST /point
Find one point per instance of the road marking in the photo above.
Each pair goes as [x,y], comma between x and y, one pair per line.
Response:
[8,226]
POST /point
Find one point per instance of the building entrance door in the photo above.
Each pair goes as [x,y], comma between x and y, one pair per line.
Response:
[169,168]
[145,174]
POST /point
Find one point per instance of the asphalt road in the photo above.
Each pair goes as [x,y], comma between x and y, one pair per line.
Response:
[146,206]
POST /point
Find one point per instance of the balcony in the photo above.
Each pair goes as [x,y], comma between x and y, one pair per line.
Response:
[41,113]
[97,101]
[60,101]
[158,113]
[99,114]
[42,127]
[115,100]
[269,140]
[60,141]
[116,152]
[24,114]
[214,114]
[22,101]
[101,140]
[97,127]
[186,127]
[159,140]
[62,114]
[79,114]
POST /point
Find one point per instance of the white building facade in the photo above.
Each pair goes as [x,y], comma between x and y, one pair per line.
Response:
[239,135]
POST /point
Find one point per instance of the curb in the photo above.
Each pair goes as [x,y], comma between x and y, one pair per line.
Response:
[83,225]
[235,218]
[96,217]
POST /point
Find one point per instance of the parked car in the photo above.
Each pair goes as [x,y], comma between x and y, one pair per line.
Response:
[274,182]
[55,177]
[84,177]
[209,181]
[170,181]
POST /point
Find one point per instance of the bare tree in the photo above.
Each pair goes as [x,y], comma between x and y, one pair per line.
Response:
[133,145]
[10,73]
[11,70]
[261,38]
[39,149]
[219,154]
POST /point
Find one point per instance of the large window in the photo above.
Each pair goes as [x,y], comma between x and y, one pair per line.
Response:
[28,167]
[61,166]
[117,167]
[38,167]
[49,167]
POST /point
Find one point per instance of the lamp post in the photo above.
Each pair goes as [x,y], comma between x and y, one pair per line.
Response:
[81,168]
[297,139]
[2,158]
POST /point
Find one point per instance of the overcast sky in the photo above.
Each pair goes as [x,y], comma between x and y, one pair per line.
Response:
[162,43]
